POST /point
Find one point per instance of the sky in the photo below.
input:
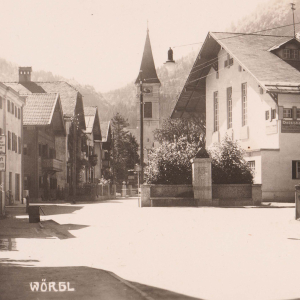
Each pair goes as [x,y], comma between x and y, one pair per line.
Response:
[100,42]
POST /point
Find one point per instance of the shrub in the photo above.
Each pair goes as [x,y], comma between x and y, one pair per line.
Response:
[228,163]
[170,163]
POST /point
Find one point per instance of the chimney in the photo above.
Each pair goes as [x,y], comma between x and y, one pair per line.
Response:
[25,74]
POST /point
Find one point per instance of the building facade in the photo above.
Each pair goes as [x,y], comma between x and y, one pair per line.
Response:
[42,123]
[11,131]
[93,150]
[70,146]
[248,87]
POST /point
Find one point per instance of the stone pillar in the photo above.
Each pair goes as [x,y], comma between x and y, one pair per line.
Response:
[256,194]
[202,182]
[145,195]
[297,200]
[130,190]
[123,189]
[114,190]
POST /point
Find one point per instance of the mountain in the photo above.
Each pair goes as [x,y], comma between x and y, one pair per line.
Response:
[272,14]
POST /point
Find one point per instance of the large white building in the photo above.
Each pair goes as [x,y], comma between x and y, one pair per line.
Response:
[11,115]
[248,85]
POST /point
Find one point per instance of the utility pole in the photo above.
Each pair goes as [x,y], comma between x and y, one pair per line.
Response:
[141,128]
[293,9]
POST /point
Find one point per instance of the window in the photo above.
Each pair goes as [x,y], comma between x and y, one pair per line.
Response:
[229,107]
[148,110]
[9,140]
[294,54]
[287,113]
[295,169]
[244,104]
[216,111]
[52,153]
[1,99]
[251,164]
[298,113]
[16,112]
[286,54]
[8,105]
[228,62]
[267,114]
[19,113]
[12,108]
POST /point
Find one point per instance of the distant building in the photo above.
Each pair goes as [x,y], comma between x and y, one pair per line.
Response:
[106,146]
[151,98]
[43,122]
[70,152]
[93,146]
[11,115]
[248,86]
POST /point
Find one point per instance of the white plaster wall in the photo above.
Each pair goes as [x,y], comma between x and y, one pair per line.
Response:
[257,104]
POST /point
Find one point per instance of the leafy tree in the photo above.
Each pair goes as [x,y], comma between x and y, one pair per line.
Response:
[228,163]
[193,129]
[170,162]
[125,149]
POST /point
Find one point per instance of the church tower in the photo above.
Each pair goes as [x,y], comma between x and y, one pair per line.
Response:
[150,88]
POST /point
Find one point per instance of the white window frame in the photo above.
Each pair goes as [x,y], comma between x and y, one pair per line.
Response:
[287,113]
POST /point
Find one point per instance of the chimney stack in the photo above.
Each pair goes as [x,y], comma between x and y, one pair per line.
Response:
[25,74]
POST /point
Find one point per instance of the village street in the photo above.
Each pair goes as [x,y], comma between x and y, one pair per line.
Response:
[206,253]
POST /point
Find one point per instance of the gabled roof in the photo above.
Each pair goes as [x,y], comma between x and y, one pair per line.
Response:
[69,96]
[147,65]
[251,51]
[39,109]
[92,121]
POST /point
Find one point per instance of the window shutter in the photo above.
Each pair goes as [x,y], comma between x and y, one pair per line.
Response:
[294,166]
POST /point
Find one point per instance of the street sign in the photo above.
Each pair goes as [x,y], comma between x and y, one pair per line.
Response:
[2,163]
[2,144]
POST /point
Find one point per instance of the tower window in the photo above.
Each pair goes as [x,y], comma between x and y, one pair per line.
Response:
[148,110]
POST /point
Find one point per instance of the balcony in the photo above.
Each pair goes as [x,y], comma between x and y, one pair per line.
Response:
[52,165]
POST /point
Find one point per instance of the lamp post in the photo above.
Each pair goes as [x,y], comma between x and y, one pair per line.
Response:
[141,128]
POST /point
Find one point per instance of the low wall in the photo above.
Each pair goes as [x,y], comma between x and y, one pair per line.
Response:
[237,194]
[223,195]
[181,192]
[164,190]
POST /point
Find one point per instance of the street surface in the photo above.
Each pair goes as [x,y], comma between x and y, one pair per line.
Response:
[206,253]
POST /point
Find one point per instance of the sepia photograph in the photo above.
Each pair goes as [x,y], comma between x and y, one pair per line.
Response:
[149,150]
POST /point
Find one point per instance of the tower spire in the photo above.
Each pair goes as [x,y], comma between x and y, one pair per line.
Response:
[147,64]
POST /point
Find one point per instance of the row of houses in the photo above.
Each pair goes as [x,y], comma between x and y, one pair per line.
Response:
[51,144]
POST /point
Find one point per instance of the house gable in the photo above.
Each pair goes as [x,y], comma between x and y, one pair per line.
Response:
[289,52]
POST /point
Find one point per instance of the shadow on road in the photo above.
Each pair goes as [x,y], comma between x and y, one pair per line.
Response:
[20,282]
